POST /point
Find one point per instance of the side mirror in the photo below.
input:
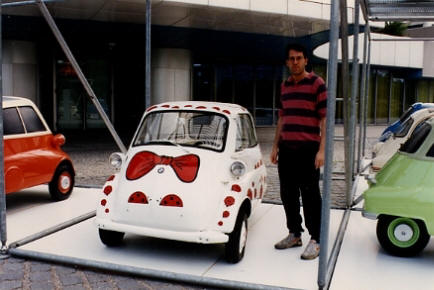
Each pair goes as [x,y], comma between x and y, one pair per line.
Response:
[58,140]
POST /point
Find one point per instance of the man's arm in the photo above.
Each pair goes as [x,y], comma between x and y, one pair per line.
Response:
[275,148]
[319,159]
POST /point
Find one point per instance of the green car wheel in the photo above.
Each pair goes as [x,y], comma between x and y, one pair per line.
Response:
[402,236]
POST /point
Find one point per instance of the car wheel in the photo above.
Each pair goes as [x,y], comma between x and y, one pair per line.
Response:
[234,249]
[62,183]
[402,236]
[111,238]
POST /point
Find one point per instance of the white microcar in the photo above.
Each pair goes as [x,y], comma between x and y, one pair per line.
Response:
[193,173]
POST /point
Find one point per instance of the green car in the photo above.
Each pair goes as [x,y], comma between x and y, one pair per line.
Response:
[401,196]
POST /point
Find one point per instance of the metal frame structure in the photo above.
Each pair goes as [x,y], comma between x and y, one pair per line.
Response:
[373,10]
[376,10]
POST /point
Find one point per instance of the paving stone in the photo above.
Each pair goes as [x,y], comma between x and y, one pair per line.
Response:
[94,277]
[42,285]
[127,283]
[38,266]
[74,287]
[65,270]
[68,280]
[39,276]
[10,275]
[102,286]
[11,267]
[7,285]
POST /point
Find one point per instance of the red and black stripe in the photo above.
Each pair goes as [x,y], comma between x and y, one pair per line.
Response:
[303,105]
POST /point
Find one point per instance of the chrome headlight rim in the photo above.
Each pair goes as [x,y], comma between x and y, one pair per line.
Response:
[238,168]
[116,160]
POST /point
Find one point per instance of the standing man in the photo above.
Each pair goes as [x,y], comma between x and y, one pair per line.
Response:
[298,150]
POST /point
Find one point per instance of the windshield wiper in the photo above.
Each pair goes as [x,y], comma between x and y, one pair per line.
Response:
[167,142]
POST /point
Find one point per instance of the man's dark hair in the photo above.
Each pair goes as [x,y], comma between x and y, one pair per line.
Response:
[297,47]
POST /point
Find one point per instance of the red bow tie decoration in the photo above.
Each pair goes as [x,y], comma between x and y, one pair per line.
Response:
[185,166]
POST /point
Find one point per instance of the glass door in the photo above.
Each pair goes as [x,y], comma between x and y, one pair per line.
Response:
[74,108]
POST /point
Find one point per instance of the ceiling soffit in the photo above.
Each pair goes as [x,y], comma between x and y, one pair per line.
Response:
[177,15]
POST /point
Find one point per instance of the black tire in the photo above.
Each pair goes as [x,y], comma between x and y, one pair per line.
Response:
[62,183]
[111,238]
[401,236]
[235,247]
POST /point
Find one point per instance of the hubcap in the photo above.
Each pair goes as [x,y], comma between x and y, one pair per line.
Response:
[64,182]
[403,232]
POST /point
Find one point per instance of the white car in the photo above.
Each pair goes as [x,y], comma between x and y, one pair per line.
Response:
[383,151]
[193,172]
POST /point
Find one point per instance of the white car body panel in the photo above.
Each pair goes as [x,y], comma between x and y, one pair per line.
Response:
[205,209]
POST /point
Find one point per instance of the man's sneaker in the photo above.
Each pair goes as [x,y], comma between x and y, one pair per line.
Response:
[288,242]
[311,251]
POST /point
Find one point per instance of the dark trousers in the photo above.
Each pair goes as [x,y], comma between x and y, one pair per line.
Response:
[298,175]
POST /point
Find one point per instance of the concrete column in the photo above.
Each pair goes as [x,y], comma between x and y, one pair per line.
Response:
[428,56]
[20,70]
[171,75]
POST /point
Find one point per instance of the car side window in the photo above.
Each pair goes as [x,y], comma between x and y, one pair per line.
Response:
[416,139]
[12,122]
[245,133]
[31,120]
[430,152]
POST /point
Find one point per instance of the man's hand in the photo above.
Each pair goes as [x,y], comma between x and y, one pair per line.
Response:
[319,159]
[274,154]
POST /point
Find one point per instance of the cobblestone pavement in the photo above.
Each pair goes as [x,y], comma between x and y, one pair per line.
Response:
[22,274]
[90,159]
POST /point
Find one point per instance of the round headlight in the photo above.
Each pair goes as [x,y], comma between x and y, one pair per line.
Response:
[238,168]
[115,160]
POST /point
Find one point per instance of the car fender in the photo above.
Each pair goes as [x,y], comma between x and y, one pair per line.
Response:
[14,179]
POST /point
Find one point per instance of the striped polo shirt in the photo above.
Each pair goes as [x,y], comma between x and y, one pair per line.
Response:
[303,105]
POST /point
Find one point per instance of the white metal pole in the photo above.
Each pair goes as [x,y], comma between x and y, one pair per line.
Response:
[82,78]
[3,236]
[328,167]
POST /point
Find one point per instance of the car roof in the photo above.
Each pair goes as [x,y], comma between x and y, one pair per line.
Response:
[10,101]
[230,109]
[422,112]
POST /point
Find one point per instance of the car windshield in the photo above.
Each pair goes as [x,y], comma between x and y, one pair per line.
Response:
[406,114]
[183,128]
[404,128]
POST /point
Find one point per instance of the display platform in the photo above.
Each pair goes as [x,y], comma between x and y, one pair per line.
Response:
[32,210]
[262,264]
[361,264]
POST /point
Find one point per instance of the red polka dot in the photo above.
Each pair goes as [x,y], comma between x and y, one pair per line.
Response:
[236,187]
[107,210]
[103,202]
[226,214]
[151,108]
[229,200]
[220,223]
[108,190]
[249,193]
